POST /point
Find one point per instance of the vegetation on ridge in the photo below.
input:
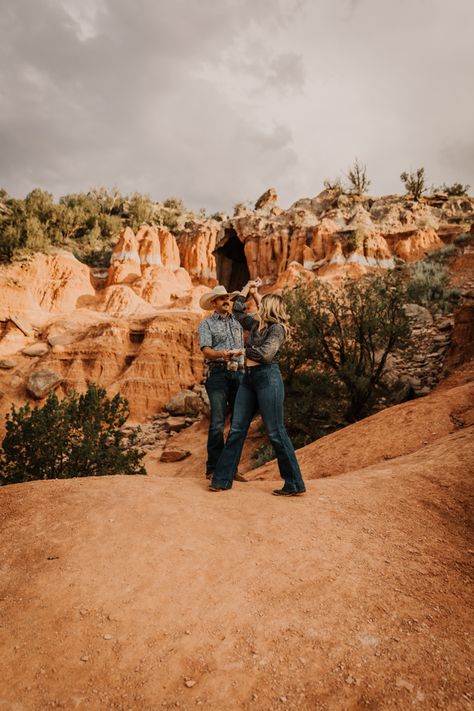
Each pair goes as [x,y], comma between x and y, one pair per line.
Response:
[87,224]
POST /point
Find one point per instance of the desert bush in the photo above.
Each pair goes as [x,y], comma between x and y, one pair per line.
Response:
[75,437]
[429,286]
[454,190]
[463,239]
[333,184]
[357,177]
[443,253]
[340,341]
[415,183]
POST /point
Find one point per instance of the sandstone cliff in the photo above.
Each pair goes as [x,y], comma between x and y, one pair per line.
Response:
[132,327]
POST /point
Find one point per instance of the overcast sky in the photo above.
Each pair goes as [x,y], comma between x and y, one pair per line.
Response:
[215,101]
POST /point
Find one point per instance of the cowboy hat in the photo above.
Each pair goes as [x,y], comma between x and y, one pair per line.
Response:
[205,302]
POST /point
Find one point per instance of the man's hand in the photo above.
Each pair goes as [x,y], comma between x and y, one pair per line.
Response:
[237,352]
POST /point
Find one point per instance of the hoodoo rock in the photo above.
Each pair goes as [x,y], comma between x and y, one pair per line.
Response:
[149,247]
[169,249]
[125,260]
[196,245]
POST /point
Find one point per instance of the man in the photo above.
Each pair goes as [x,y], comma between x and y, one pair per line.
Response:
[222,342]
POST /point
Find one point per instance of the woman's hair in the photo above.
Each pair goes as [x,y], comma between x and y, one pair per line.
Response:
[272,310]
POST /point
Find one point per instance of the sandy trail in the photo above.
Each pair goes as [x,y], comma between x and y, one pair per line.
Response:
[147,593]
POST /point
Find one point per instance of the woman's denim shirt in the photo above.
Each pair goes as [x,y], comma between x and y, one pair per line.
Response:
[262,346]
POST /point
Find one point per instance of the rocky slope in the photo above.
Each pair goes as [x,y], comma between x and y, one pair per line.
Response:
[146,593]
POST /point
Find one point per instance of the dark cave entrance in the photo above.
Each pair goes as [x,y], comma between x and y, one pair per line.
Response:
[231,263]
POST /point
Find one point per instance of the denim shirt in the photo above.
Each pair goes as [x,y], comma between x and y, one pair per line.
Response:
[221,333]
[262,346]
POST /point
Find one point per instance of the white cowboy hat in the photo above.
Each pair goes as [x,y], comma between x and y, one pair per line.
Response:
[205,302]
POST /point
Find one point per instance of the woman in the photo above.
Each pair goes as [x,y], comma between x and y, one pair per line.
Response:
[261,389]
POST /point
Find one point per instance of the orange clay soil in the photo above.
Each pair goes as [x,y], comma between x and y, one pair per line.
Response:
[150,593]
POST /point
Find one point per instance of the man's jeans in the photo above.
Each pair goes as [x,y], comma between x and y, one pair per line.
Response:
[221,387]
[261,389]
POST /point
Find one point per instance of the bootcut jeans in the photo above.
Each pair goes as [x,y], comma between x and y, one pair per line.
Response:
[261,389]
[221,386]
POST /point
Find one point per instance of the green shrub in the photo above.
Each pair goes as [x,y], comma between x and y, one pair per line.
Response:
[454,190]
[463,239]
[429,286]
[75,437]
[441,254]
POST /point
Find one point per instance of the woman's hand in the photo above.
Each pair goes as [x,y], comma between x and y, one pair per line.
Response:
[253,285]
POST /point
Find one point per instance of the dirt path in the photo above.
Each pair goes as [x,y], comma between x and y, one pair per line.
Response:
[148,593]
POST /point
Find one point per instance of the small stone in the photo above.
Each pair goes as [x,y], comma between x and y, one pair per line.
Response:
[404,684]
[189,683]
[175,424]
[84,658]
[350,680]
[283,699]
[108,636]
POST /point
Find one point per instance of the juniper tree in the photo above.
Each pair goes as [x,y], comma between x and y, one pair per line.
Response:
[78,436]
[334,360]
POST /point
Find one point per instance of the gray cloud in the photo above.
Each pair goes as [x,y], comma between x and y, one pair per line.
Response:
[215,101]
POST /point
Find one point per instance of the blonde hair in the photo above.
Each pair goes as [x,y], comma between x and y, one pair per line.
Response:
[272,310]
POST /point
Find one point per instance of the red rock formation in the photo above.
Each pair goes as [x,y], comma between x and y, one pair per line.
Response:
[196,245]
[125,260]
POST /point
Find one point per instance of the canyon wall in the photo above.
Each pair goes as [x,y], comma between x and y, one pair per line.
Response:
[132,327]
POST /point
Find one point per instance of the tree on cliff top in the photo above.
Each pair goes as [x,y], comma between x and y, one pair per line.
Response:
[357,177]
[339,345]
[75,437]
[415,183]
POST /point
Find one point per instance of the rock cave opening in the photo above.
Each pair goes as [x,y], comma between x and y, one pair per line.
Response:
[231,263]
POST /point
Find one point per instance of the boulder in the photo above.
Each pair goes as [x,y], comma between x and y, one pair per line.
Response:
[41,382]
[174,455]
[186,402]
[37,349]
[268,198]
[6,364]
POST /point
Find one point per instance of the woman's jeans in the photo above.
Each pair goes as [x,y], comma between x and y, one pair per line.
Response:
[221,386]
[261,389]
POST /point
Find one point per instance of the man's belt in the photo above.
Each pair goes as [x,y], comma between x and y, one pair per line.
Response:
[213,366]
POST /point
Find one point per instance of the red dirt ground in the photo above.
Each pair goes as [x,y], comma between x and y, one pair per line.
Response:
[150,593]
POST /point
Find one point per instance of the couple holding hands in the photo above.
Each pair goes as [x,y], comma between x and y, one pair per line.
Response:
[247,379]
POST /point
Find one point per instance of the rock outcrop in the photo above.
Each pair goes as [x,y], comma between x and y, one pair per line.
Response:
[329,235]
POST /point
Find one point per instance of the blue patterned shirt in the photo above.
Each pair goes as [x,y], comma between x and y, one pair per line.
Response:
[221,333]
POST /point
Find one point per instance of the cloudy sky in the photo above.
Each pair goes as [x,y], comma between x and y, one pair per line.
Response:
[217,100]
